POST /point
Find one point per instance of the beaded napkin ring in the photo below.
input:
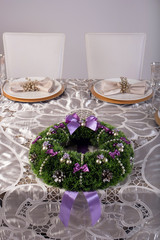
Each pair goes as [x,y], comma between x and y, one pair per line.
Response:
[124,85]
[30,86]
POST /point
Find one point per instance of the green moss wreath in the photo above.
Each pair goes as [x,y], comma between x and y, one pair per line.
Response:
[53,159]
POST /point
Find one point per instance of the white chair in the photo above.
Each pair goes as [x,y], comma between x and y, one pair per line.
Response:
[34,54]
[112,55]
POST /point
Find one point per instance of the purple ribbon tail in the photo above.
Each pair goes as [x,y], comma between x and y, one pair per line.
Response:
[94,206]
[66,206]
[67,203]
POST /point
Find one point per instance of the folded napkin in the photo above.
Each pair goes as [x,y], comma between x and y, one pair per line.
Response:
[109,88]
[45,85]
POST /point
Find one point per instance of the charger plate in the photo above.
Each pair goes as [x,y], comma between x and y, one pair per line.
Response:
[121,98]
[157,117]
[37,96]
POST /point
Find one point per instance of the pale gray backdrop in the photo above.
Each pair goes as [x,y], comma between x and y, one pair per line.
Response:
[77,17]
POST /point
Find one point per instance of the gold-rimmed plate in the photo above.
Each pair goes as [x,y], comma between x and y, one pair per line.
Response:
[121,98]
[157,117]
[37,96]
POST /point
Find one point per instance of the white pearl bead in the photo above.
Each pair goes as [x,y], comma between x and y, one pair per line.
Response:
[68,161]
[98,161]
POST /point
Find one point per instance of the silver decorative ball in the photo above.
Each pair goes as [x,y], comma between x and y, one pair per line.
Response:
[44,147]
[98,161]
[121,149]
[61,160]
[68,161]
[115,134]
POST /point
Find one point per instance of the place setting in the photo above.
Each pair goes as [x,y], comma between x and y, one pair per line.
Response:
[32,89]
[122,90]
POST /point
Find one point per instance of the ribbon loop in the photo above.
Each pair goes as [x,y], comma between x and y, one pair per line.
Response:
[91,122]
[73,122]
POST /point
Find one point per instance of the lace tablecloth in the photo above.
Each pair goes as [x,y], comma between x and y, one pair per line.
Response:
[29,209]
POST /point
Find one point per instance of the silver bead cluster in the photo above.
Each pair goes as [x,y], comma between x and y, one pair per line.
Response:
[58,176]
[42,165]
[45,145]
[30,86]
[66,159]
[51,130]
[98,161]
[115,132]
[120,147]
[101,158]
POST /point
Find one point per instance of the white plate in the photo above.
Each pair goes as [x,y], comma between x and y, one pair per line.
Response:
[121,97]
[30,96]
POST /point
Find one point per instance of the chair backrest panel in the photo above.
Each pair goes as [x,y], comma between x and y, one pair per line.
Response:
[34,54]
[111,55]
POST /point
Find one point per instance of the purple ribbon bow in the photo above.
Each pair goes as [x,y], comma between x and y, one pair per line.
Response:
[77,168]
[67,203]
[115,153]
[51,152]
[74,122]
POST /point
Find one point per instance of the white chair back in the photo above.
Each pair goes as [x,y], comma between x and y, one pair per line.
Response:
[112,55]
[34,54]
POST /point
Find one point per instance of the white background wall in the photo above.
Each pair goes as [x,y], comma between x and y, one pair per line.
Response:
[76,17]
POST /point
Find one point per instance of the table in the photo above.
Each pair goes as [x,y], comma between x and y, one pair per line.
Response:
[29,209]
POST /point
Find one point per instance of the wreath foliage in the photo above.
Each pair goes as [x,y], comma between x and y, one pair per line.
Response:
[53,159]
